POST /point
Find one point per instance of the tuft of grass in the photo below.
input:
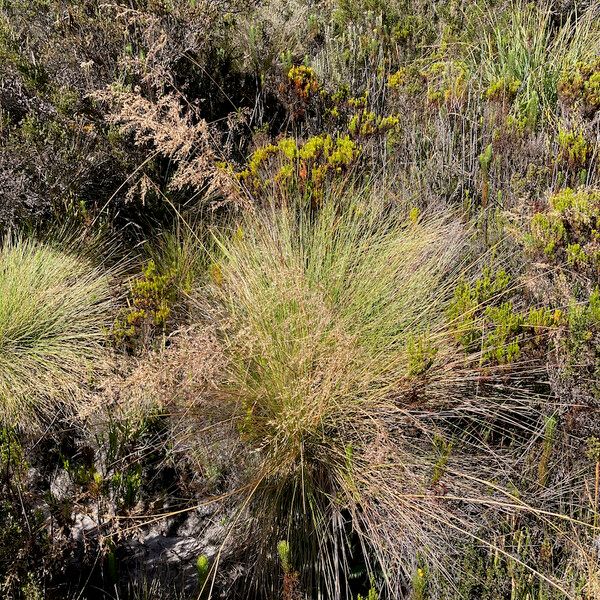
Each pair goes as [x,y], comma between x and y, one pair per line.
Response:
[54,311]
[524,45]
[323,308]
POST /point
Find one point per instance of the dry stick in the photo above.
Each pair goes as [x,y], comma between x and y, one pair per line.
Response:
[596,493]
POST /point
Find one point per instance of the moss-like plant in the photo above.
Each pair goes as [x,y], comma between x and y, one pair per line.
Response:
[202,569]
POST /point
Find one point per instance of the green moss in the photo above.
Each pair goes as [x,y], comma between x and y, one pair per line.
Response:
[283,551]
[202,569]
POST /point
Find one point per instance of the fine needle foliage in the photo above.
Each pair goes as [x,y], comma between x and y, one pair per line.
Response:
[54,309]
[345,381]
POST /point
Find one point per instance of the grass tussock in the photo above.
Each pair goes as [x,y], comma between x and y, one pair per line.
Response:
[522,46]
[344,378]
[54,311]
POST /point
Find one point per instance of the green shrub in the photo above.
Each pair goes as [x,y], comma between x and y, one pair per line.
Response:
[306,167]
[569,232]
[156,299]
[567,236]
[573,148]
[54,311]
[579,86]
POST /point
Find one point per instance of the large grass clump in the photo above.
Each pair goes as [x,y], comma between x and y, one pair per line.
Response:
[351,394]
[54,313]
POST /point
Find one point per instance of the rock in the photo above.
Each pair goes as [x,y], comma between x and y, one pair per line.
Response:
[61,486]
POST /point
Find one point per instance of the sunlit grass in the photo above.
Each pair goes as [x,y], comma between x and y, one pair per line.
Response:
[345,379]
[54,309]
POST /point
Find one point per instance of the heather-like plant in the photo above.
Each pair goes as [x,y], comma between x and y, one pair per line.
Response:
[54,309]
[343,378]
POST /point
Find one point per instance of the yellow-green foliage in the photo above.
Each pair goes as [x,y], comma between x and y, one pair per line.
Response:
[202,569]
[503,88]
[151,299]
[371,595]
[547,449]
[523,53]
[421,353]
[501,344]
[306,165]
[583,342]
[367,123]
[54,310]
[569,232]
[573,149]
[420,580]
[568,236]
[488,323]
[409,80]
[304,80]
[443,450]
[446,82]
[470,300]
[547,233]
[579,87]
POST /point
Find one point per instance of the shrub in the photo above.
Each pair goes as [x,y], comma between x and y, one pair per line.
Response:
[342,369]
[54,309]
[569,231]
[151,298]
[156,299]
[307,166]
[573,148]
[579,87]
